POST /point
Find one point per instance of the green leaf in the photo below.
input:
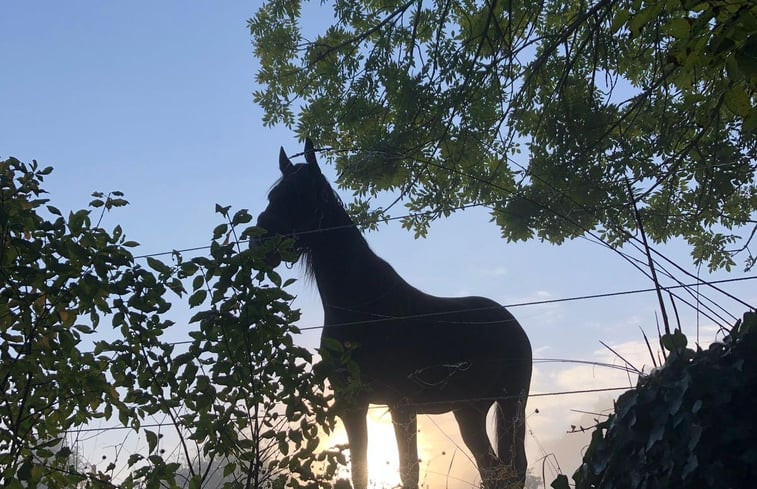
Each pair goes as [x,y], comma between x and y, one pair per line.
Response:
[190,371]
[152,441]
[621,17]
[156,460]
[283,446]
[133,459]
[116,203]
[83,328]
[737,100]
[641,19]
[195,482]
[220,230]
[675,341]
[241,217]
[198,282]
[561,482]
[224,211]
[332,344]
[197,298]
[229,469]
[679,28]
[158,265]
[24,472]
[64,452]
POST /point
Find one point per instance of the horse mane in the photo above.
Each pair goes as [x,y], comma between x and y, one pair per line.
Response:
[336,222]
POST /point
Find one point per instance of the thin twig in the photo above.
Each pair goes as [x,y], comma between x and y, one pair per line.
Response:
[649,347]
[647,248]
[636,370]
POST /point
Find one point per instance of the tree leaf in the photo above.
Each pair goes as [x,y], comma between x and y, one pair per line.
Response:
[197,298]
[152,441]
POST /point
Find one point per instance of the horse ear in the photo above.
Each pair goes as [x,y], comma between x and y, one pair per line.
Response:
[310,154]
[285,165]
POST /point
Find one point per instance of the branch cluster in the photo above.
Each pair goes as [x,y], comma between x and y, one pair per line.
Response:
[542,110]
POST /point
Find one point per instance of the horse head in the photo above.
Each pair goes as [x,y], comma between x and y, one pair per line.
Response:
[296,202]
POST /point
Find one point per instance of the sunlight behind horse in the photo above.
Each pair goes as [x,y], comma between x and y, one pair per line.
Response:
[444,459]
[383,465]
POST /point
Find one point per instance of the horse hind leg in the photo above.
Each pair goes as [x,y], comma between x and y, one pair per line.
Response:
[510,419]
[498,471]
[472,422]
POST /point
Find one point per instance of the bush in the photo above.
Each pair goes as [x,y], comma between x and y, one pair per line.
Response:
[241,397]
[690,424]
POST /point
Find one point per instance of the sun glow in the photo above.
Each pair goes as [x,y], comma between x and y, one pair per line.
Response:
[383,459]
[444,462]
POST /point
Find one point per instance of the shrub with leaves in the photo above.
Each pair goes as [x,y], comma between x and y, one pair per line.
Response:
[689,424]
[241,396]
[250,396]
[57,277]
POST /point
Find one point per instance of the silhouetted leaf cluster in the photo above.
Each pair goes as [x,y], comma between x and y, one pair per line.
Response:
[541,111]
[689,424]
[241,397]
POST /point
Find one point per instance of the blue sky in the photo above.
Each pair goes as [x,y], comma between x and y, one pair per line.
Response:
[154,99]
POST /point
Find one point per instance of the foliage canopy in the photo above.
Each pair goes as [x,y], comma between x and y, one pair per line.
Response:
[552,114]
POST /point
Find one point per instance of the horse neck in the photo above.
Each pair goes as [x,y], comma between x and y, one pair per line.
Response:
[346,270]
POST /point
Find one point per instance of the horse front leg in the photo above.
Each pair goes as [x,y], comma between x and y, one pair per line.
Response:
[356,426]
[406,430]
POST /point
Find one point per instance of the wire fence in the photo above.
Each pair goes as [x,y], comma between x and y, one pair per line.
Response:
[374,407]
[698,301]
[601,295]
[712,310]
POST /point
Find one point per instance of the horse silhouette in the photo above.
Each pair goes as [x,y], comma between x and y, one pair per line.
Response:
[415,353]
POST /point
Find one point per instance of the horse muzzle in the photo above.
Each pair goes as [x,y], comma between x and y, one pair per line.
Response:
[268,242]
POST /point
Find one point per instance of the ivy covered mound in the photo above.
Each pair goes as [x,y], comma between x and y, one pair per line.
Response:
[690,424]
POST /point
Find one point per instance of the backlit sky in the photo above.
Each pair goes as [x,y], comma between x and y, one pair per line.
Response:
[154,99]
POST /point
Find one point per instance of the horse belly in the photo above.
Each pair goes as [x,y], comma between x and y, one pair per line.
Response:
[433,363]
[433,374]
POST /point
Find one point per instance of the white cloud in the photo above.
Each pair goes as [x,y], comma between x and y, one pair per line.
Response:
[558,414]
[493,272]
